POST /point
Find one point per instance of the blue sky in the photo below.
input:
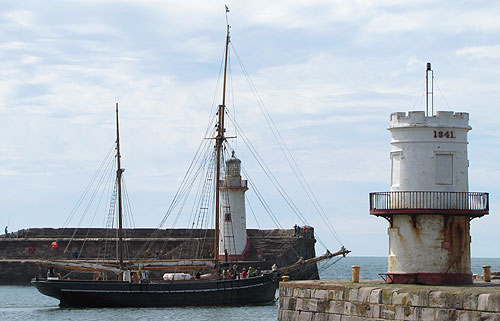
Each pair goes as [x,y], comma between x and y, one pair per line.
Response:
[329,72]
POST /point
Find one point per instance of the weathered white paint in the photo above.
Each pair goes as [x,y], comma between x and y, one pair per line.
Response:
[420,161]
[233,231]
[417,156]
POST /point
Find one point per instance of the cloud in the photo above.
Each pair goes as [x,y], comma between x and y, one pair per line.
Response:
[20,18]
[479,52]
[397,22]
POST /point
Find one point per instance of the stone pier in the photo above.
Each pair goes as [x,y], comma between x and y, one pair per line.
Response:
[21,251]
[377,301]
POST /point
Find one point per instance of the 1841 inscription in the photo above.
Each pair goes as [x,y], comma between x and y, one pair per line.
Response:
[443,134]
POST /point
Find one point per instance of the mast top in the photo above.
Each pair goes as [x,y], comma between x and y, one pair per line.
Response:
[227,21]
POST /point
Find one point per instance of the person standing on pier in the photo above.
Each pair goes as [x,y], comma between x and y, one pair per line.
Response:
[6,232]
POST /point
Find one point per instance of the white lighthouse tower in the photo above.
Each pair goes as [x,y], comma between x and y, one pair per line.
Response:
[429,206]
[234,243]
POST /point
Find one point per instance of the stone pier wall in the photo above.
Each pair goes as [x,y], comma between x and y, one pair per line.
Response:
[345,301]
[20,252]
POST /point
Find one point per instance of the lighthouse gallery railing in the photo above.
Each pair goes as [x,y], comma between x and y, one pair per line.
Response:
[426,202]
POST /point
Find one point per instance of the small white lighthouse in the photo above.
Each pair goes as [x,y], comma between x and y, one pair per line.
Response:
[234,243]
[429,206]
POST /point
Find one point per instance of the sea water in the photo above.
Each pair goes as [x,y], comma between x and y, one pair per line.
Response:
[25,303]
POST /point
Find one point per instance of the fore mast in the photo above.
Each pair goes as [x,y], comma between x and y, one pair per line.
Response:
[119,172]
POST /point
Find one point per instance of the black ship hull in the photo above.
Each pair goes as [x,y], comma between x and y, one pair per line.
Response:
[73,293]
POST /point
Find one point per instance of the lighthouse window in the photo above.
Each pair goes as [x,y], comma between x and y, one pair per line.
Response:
[233,169]
[444,169]
[227,217]
[395,168]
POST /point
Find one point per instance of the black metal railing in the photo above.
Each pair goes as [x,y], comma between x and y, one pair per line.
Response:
[422,202]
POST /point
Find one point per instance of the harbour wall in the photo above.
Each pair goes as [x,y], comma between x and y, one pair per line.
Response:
[375,301]
[20,252]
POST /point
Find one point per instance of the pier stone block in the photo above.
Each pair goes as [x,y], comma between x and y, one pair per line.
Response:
[375,296]
[288,303]
[470,301]
[336,294]
[488,316]
[304,316]
[446,315]
[437,299]
[301,304]
[287,315]
[408,313]
[428,314]
[348,309]
[469,316]
[388,312]
[301,293]
[358,309]
[489,302]
[320,317]
[386,296]
[411,298]
[364,293]
[351,294]
[400,298]
[310,305]
[454,300]
[319,294]
[482,301]
[335,307]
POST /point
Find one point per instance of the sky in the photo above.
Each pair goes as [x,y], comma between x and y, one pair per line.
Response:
[329,73]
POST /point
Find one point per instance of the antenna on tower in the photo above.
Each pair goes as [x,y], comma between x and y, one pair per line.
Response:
[427,92]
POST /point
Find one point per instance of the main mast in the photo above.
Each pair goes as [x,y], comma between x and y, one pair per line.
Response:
[219,141]
[119,172]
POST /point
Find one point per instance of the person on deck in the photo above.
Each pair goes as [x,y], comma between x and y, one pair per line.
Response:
[235,272]
[259,254]
[97,276]
[6,232]
[244,273]
[51,273]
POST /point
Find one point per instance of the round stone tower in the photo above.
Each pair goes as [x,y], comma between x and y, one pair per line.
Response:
[234,243]
[429,206]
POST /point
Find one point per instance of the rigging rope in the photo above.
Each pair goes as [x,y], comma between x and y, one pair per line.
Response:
[439,89]
[288,200]
[288,155]
[420,95]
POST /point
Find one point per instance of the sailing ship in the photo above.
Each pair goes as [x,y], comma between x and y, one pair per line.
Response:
[133,288]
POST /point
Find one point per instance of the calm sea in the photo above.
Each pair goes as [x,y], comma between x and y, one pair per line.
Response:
[25,303]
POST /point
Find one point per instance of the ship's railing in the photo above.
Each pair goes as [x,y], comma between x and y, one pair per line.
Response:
[426,202]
